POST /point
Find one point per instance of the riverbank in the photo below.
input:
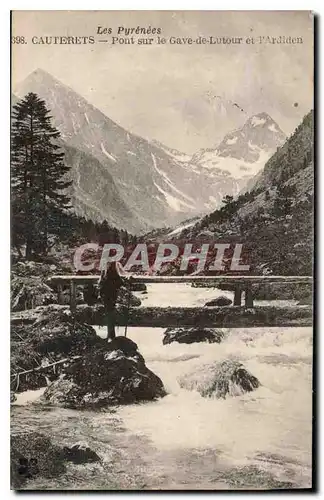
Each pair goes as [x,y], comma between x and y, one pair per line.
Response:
[258,440]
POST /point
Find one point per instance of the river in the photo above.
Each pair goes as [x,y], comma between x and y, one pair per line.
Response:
[259,440]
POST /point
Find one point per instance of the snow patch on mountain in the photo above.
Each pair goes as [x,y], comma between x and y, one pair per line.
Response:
[231,140]
[173,153]
[273,127]
[109,155]
[173,202]
[178,191]
[254,147]
[74,125]
[154,161]
[181,228]
[169,182]
[255,121]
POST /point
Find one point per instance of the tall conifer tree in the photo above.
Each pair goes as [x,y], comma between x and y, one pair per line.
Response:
[38,174]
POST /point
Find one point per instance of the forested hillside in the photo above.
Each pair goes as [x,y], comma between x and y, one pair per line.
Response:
[274,221]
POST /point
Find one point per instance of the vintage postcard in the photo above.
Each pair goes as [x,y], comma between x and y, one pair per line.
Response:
[162,184]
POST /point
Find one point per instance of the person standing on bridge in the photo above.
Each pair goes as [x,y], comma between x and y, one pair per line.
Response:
[111,279]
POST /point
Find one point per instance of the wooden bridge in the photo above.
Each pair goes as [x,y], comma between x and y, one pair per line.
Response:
[237,315]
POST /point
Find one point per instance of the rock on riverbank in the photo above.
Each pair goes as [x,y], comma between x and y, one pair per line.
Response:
[82,369]
[53,337]
[32,455]
[108,374]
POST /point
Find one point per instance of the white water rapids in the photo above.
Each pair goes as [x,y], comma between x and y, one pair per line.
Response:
[260,439]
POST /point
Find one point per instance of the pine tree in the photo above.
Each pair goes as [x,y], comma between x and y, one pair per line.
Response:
[37,174]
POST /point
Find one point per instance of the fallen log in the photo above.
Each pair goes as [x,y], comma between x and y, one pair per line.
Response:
[164,317]
[44,367]
[16,376]
[218,317]
[29,316]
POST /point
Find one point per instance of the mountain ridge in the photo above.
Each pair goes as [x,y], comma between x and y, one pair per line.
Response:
[131,160]
[159,186]
[274,221]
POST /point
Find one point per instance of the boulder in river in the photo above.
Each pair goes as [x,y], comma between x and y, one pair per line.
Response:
[80,453]
[219,301]
[189,335]
[32,455]
[220,379]
[138,287]
[107,374]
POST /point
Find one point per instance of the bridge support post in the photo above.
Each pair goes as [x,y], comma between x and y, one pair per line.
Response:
[248,296]
[72,296]
[237,296]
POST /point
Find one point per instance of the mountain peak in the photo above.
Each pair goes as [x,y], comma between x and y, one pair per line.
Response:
[38,74]
[38,81]
[260,134]
[262,114]
[261,119]
[244,151]
[41,71]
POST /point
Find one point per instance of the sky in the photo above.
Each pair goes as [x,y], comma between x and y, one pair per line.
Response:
[181,95]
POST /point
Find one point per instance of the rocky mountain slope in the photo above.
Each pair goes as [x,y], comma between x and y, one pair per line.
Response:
[137,184]
[212,174]
[92,199]
[136,165]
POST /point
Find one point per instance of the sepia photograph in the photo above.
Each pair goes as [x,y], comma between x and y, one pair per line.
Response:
[162,250]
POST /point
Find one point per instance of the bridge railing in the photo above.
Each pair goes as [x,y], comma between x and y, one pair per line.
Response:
[238,284]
